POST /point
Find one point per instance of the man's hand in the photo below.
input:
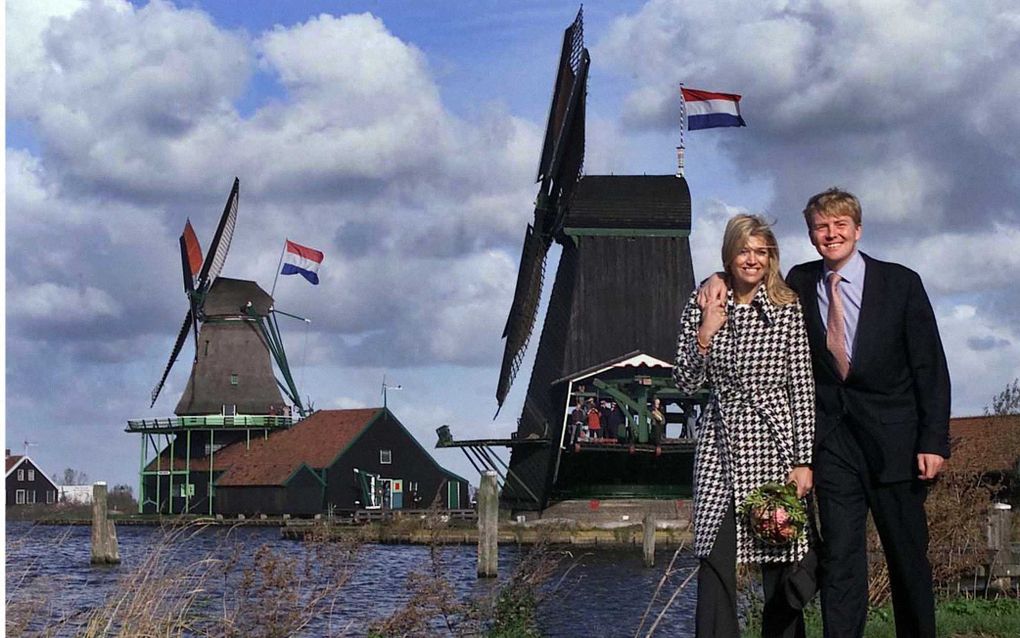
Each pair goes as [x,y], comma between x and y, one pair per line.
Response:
[804,477]
[929,466]
[712,292]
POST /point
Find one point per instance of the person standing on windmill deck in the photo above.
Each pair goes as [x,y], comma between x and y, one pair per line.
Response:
[750,350]
[882,414]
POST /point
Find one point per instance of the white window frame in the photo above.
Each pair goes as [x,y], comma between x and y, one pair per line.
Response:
[51,497]
[31,474]
[31,497]
[386,457]
[19,497]
[21,474]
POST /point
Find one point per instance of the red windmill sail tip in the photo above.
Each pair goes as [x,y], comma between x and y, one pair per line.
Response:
[192,248]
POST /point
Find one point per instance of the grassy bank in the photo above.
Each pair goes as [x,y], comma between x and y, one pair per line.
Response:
[955,618]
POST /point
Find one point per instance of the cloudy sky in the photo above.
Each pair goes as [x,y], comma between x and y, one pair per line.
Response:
[402,139]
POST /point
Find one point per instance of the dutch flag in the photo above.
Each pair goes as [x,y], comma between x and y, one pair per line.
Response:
[301,260]
[706,109]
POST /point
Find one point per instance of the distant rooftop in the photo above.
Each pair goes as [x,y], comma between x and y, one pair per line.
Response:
[991,442]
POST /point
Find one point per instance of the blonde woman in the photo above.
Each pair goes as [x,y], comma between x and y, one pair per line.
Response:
[751,351]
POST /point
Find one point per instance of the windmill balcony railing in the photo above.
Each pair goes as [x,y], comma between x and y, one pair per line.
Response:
[218,421]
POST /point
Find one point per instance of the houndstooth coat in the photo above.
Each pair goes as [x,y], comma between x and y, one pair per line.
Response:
[760,419]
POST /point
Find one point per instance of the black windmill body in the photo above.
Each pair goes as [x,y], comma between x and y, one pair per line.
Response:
[623,278]
[231,394]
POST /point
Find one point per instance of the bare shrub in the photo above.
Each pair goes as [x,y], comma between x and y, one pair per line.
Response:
[1007,401]
[957,506]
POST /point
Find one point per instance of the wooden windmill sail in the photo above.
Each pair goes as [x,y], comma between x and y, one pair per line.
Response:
[623,277]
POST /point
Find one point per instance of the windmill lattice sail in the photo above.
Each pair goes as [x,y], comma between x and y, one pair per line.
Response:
[182,336]
[559,169]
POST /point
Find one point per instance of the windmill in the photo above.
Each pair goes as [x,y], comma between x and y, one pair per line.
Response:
[623,277]
[232,390]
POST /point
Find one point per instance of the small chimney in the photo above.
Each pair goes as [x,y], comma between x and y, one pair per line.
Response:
[8,452]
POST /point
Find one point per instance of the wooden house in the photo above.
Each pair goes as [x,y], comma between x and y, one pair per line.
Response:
[335,460]
[26,483]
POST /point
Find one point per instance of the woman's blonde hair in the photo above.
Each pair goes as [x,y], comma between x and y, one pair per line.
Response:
[739,229]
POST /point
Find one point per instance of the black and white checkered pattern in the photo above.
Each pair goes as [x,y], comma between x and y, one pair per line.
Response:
[760,421]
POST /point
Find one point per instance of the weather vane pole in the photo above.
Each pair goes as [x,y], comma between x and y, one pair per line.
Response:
[388,387]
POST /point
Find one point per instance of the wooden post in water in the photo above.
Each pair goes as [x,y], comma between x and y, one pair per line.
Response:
[104,534]
[488,526]
[648,543]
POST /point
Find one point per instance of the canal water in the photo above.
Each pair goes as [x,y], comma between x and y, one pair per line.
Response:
[52,588]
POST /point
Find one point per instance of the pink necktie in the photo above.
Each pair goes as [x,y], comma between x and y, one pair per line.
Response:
[835,339]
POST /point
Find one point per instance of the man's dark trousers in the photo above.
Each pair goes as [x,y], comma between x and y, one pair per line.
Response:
[845,493]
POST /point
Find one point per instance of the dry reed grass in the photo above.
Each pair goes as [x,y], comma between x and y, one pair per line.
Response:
[228,591]
[275,590]
[433,607]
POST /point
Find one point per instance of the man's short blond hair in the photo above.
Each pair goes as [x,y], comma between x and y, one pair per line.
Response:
[833,202]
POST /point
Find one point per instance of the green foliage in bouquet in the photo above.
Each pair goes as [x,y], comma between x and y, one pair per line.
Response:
[774,514]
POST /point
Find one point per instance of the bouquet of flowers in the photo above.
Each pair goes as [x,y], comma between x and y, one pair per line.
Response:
[774,513]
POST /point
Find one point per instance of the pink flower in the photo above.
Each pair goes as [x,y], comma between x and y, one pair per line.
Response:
[780,516]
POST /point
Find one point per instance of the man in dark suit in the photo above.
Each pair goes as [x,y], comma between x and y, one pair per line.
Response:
[882,428]
[882,410]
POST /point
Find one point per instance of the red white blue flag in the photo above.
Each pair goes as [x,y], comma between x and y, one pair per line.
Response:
[707,109]
[301,260]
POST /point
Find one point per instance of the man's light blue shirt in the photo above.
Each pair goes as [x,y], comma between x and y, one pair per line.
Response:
[852,291]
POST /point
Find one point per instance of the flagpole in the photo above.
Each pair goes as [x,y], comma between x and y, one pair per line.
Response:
[278,266]
[683,126]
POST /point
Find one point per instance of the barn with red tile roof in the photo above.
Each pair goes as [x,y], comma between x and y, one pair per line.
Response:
[340,460]
[989,445]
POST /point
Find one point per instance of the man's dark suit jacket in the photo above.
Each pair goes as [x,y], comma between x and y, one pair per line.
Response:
[895,400]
